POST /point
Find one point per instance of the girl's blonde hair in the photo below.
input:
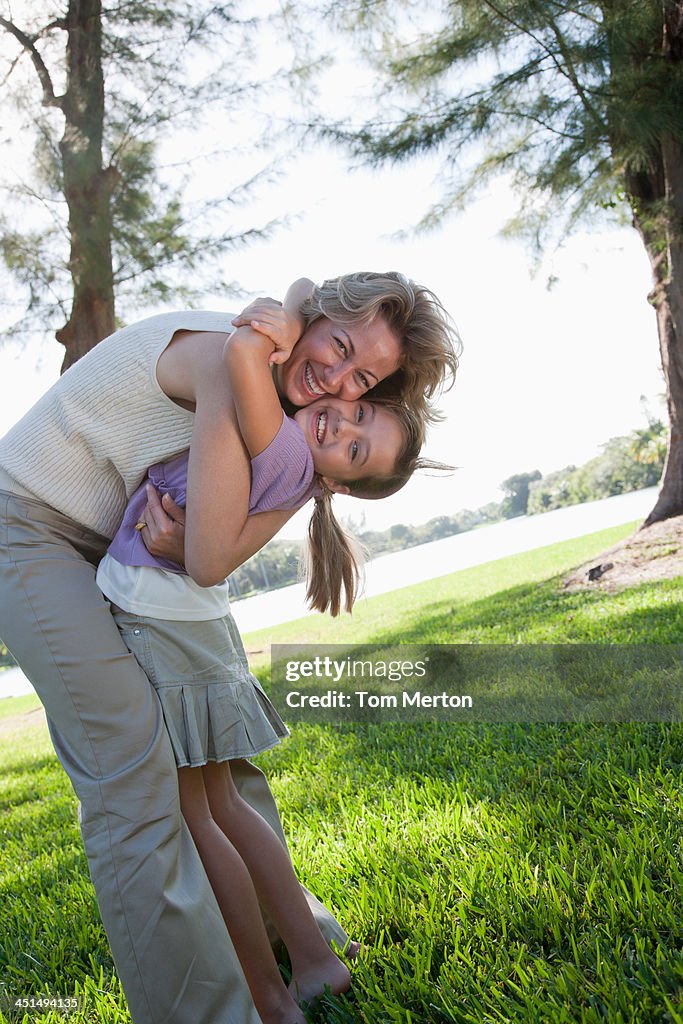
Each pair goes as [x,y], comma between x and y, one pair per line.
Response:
[430,341]
[334,558]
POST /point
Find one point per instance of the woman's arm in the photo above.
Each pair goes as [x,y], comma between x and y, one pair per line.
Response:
[165,535]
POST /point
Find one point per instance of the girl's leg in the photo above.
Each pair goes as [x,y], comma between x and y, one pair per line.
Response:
[253,787]
[237,900]
[314,965]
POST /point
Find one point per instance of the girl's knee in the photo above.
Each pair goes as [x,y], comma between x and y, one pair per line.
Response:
[221,792]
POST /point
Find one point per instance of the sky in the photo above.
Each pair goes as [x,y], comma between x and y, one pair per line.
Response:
[546,376]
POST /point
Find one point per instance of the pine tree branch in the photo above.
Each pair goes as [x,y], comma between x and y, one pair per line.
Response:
[203,246]
[573,77]
[11,69]
[59,23]
[567,69]
[527,32]
[52,207]
[28,43]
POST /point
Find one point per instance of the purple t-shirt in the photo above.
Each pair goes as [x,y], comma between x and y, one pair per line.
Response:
[282,477]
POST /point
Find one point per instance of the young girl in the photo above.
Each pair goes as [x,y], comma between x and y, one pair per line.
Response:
[187,643]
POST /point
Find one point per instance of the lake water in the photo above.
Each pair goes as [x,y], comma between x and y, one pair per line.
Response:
[429,561]
[441,557]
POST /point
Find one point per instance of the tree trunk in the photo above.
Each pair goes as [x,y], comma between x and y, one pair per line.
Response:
[658,216]
[667,299]
[87,185]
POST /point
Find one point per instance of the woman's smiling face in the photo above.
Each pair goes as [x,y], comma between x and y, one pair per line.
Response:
[350,440]
[342,361]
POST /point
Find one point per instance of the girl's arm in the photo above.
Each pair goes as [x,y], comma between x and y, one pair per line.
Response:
[280,321]
[219,534]
[248,355]
[259,412]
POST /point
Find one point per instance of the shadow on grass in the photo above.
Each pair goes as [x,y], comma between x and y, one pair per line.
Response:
[646,624]
[39,782]
[470,763]
[28,765]
[544,609]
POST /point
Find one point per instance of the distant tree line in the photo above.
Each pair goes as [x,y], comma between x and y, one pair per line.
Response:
[625,464]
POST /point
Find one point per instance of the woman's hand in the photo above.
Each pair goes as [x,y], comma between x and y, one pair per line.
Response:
[164,533]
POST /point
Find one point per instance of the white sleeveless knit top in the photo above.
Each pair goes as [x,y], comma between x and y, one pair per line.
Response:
[85,445]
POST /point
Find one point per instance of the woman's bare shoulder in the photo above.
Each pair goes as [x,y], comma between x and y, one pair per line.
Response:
[190,362]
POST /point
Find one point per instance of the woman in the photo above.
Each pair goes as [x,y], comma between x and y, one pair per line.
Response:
[66,470]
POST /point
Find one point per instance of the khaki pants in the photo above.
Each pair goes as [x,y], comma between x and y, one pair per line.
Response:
[170,944]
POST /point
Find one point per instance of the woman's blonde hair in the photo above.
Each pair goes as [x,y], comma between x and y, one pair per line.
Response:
[334,558]
[430,341]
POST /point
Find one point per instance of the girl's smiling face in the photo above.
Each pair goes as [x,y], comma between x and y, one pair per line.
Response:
[343,361]
[350,440]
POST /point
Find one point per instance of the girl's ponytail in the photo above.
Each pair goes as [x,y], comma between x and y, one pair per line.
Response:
[334,560]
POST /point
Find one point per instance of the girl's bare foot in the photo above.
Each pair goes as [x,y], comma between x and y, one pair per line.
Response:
[311,980]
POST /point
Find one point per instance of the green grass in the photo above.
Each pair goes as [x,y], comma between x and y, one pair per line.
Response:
[493,872]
